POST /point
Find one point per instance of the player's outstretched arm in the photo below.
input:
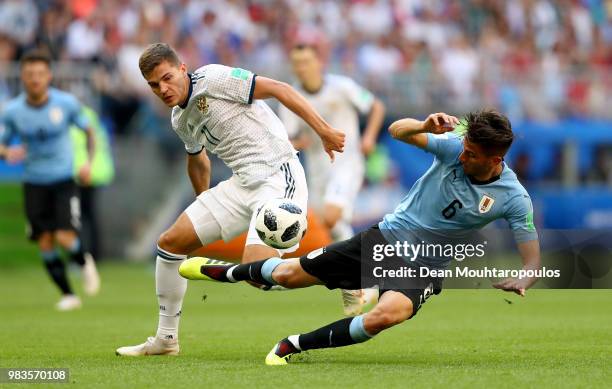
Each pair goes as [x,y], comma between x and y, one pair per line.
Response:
[530,254]
[413,131]
[198,170]
[373,126]
[3,151]
[12,154]
[85,171]
[333,139]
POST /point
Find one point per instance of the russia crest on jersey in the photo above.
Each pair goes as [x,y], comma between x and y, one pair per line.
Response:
[202,104]
[486,202]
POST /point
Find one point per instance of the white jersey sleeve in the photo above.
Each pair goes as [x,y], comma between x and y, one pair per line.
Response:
[360,97]
[192,145]
[224,82]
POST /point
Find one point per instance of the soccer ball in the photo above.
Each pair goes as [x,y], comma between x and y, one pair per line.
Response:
[280,223]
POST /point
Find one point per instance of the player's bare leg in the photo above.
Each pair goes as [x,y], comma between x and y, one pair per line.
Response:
[353,301]
[256,252]
[393,308]
[173,246]
[69,240]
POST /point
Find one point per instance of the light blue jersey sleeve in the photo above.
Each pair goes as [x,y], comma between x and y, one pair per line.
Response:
[519,214]
[446,147]
[77,115]
[7,130]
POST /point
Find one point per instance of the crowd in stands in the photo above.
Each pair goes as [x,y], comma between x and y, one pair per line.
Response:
[541,59]
[532,58]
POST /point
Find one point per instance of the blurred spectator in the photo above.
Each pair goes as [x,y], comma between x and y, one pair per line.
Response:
[521,167]
[423,26]
[459,66]
[371,18]
[544,21]
[379,60]
[19,20]
[85,38]
[600,173]
[582,24]
[53,29]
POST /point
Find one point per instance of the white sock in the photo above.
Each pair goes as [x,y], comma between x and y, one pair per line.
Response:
[171,288]
[295,341]
[230,274]
[278,288]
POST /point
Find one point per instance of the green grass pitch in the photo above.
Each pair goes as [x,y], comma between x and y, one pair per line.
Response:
[467,338]
[461,338]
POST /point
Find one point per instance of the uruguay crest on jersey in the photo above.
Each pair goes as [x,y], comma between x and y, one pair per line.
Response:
[486,202]
[56,115]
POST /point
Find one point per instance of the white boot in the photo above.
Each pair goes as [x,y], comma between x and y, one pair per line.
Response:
[153,346]
[68,302]
[353,301]
[91,279]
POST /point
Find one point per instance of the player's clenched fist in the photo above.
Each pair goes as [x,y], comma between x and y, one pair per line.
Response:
[333,140]
[439,123]
[15,154]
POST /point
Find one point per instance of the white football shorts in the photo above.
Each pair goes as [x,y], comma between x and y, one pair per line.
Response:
[338,186]
[229,209]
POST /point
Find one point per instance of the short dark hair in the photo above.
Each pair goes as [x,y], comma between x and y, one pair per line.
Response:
[306,46]
[155,54]
[36,55]
[489,129]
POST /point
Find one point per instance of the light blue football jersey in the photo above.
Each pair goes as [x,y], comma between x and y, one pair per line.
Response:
[446,201]
[45,132]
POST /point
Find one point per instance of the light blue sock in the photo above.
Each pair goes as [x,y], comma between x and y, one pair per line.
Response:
[268,267]
[49,256]
[76,246]
[357,330]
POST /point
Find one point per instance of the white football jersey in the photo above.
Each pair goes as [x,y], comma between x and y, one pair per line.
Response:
[221,116]
[339,102]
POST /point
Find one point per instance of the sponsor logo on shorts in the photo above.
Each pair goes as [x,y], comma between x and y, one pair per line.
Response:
[426,293]
[315,253]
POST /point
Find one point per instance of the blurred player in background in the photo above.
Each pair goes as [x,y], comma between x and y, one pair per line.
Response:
[333,188]
[467,187]
[102,173]
[41,119]
[219,109]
